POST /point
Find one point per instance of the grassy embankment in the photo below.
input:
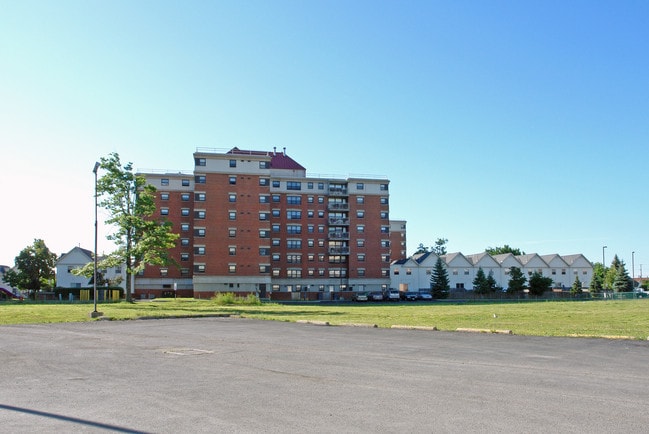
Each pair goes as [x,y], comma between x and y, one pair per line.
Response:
[623,318]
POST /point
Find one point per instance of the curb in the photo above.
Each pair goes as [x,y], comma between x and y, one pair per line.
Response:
[407,327]
[470,330]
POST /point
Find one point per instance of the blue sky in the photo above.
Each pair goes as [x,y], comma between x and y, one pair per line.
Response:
[497,122]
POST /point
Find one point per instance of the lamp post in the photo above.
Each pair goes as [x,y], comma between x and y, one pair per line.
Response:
[632,265]
[603,257]
[94,313]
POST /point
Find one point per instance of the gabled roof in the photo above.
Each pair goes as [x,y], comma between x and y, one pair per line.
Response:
[530,259]
[80,250]
[554,260]
[482,259]
[507,260]
[577,259]
[456,259]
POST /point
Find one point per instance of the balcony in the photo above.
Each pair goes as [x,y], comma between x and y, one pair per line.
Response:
[338,222]
[338,235]
[339,250]
[338,191]
[332,206]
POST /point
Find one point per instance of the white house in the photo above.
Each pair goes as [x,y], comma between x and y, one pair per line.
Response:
[413,273]
[77,258]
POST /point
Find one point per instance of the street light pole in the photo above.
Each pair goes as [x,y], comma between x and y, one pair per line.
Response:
[632,265]
[603,258]
[94,313]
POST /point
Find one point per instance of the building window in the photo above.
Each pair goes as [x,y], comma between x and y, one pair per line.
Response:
[309,214]
[310,243]
[321,229]
[309,199]
[361,272]
[360,257]
[293,229]
[263,216]
[276,274]
[232,268]
[184,241]
[384,187]
[184,197]
[320,185]
[360,199]
[294,215]
[232,215]
[232,250]
[360,186]
[263,181]
[384,215]
[184,271]
[232,233]
[200,161]
[199,215]
[466,271]
[360,214]
[294,273]
[199,250]
[360,243]
[164,196]
[184,212]
[184,227]
[293,185]
[310,257]
[276,257]
[233,180]
[321,214]
[263,198]
[164,211]
[275,227]
[293,244]
[275,213]
[385,229]
[294,200]
[185,182]
[263,268]
[385,258]
[384,201]
[360,229]
[276,198]
[233,163]
[310,229]
[263,233]
[264,164]
[385,243]
[199,268]
[320,199]
[294,259]
[184,256]
[200,197]
[264,251]
[275,184]
[164,181]
[232,197]
[200,179]
[275,242]
[199,232]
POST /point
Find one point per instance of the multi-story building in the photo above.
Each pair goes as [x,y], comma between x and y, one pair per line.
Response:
[254,222]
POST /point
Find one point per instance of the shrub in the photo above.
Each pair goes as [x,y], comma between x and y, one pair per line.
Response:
[229,298]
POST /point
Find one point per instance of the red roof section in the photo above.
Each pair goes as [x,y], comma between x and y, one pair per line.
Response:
[279,160]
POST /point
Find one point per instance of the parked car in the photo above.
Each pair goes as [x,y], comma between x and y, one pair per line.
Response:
[410,296]
[376,296]
[361,296]
[423,295]
[393,295]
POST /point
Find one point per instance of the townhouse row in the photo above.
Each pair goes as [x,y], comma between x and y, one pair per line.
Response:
[414,273]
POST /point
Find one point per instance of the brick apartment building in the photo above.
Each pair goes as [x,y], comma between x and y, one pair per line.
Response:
[254,222]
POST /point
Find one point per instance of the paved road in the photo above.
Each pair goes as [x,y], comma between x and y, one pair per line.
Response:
[245,376]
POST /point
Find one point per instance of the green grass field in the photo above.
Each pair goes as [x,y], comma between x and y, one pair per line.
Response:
[610,319]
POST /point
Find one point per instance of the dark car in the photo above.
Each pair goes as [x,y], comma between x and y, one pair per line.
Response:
[376,296]
[361,296]
[425,296]
[411,296]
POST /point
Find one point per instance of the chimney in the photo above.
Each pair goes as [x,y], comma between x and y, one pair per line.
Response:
[285,151]
[274,150]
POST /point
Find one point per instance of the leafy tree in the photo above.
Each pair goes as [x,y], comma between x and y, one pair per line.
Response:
[575,289]
[504,249]
[539,284]
[440,247]
[439,282]
[517,281]
[597,281]
[609,278]
[422,249]
[130,202]
[34,268]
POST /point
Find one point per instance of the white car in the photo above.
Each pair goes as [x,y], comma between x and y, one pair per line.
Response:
[393,295]
[425,295]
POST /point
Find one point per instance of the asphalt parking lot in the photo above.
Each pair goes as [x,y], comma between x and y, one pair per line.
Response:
[246,376]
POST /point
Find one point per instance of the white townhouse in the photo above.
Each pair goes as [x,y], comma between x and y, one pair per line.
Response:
[77,258]
[413,273]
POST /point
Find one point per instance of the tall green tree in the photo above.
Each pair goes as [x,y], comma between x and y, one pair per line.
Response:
[34,268]
[440,247]
[576,289]
[130,201]
[539,283]
[622,281]
[439,283]
[422,249]
[480,283]
[504,249]
[597,281]
[517,281]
